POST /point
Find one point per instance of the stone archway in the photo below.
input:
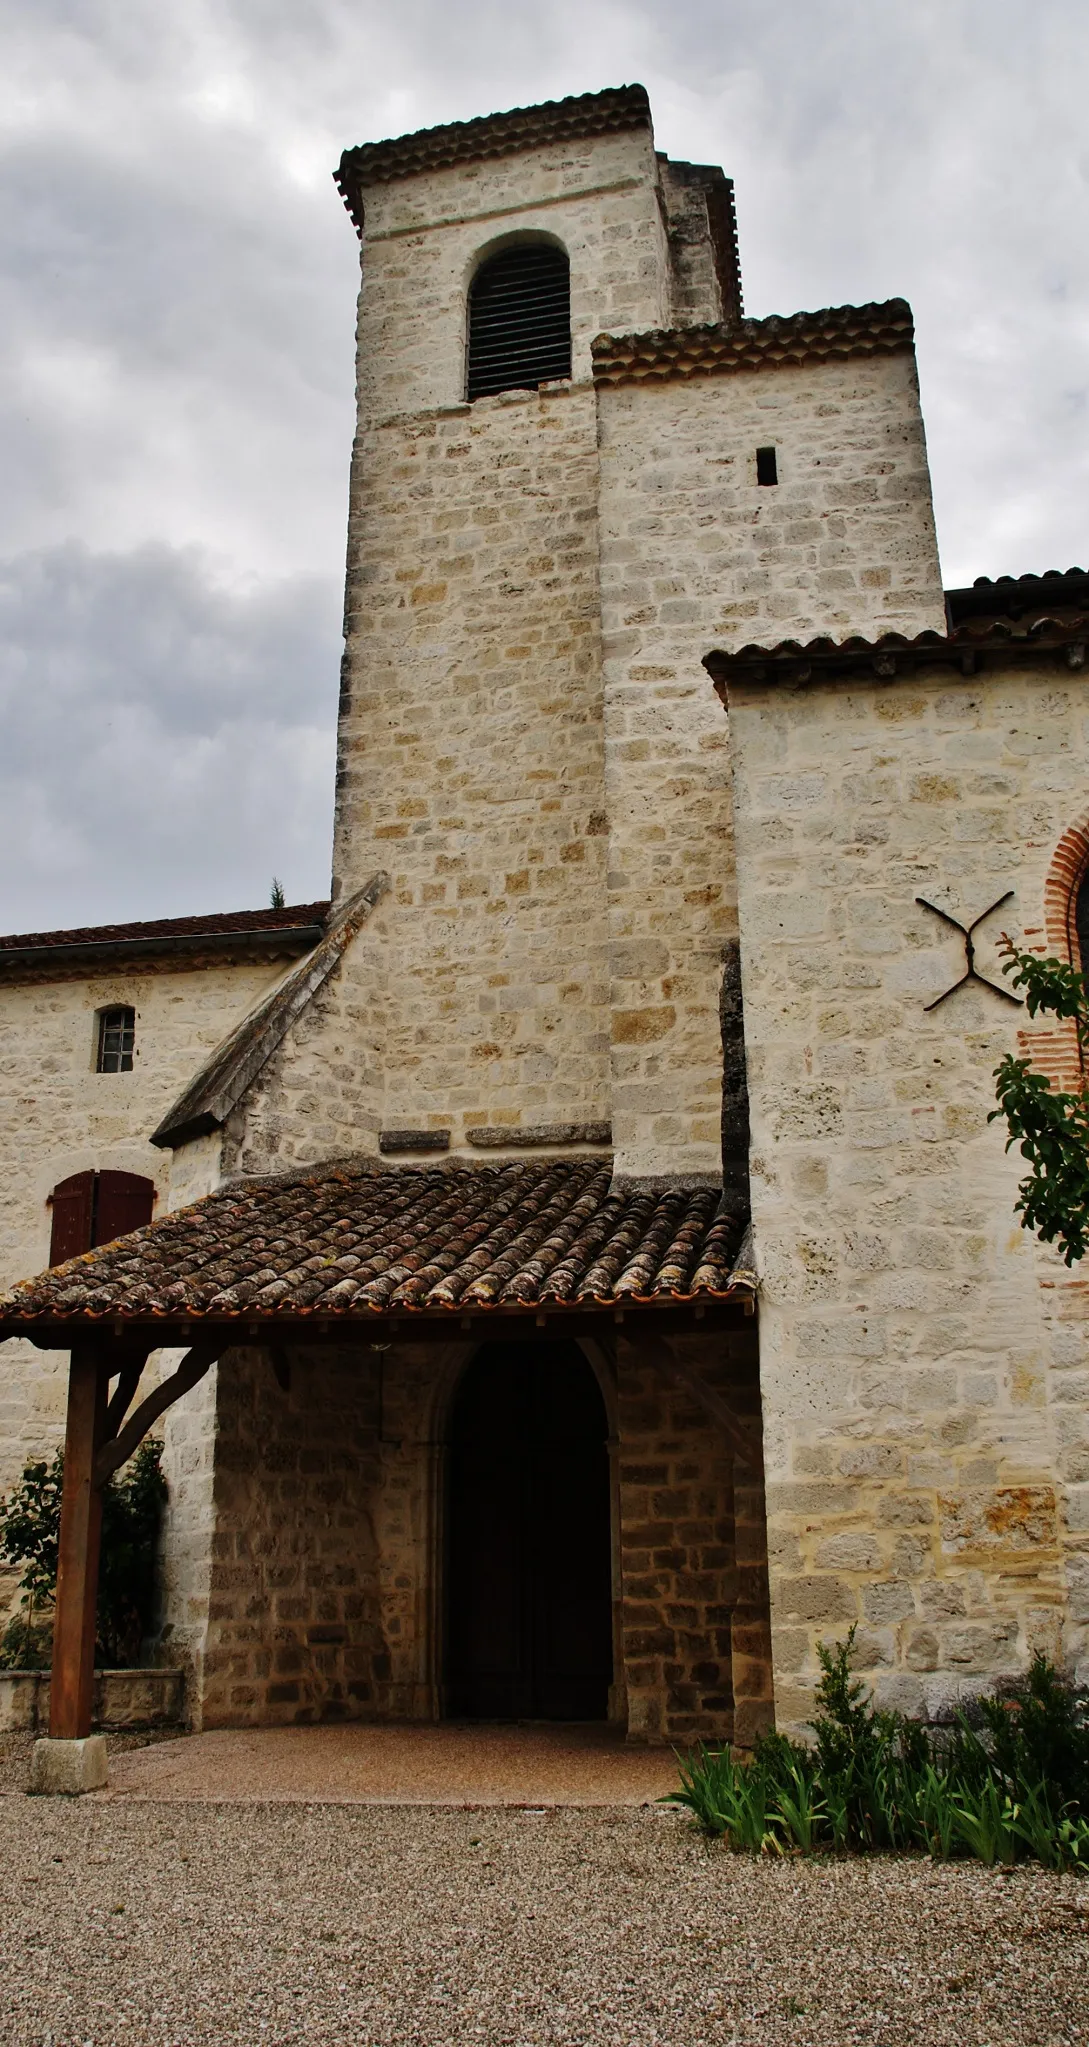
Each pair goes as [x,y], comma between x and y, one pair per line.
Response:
[529,1631]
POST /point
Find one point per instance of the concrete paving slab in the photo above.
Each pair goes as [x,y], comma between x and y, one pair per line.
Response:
[452,1764]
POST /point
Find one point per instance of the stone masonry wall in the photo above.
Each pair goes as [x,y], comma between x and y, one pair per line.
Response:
[320,1094]
[471,762]
[427,234]
[294,1630]
[58,1116]
[693,1549]
[922,1360]
[694,555]
[325,1594]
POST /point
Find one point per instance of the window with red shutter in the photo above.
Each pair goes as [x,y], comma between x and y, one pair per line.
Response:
[94,1208]
[123,1203]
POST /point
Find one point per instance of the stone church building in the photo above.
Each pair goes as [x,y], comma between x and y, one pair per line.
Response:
[670,785]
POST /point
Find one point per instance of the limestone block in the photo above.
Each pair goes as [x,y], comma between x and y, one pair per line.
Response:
[19,1700]
[68,1768]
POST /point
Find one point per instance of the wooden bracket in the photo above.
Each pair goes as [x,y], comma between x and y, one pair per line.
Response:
[114,1452]
[128,1379]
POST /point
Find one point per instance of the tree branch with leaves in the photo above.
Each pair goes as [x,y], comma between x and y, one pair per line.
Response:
[1049,1124]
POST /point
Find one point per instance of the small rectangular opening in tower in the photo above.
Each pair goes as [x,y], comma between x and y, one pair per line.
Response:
[767,468]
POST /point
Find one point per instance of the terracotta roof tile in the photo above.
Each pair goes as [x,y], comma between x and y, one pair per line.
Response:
[216,923]
[831,335]
[430,149]
[1019,597]
[353,1241]
[968,647]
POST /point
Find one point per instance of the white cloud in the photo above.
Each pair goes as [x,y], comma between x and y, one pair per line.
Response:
[176,310]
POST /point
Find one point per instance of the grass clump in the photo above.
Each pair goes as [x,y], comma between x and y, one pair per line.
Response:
[1008,1780]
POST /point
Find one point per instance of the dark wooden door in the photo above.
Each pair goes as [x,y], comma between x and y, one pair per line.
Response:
[529,1610]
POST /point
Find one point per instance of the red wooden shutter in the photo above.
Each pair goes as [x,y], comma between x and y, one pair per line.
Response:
[73,1206]
[124,1203]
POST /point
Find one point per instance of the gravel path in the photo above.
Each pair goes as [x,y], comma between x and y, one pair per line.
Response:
[380,1927]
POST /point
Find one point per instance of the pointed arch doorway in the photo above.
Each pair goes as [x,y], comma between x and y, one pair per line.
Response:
[528,1538]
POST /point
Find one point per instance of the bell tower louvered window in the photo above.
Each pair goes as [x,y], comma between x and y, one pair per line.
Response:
[520,320]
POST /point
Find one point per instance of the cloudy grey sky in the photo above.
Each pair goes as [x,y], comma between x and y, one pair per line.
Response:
[178,281]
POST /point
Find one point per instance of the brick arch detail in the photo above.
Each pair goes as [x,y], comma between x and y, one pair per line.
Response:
[1053,1047]
[1068,865]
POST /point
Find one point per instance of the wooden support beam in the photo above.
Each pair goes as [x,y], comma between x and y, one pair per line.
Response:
[72,1685]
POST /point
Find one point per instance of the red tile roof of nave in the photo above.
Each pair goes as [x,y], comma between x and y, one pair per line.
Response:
[294,917]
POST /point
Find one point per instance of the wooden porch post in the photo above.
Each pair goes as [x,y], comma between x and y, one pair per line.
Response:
[70,1699]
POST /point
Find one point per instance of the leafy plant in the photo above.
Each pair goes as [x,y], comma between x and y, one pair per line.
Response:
[987,1823]
[132,1504]
[1051,1125]
[132,1509]
[29,1535]
[800,1809]
[1038,1732]
[1010,1778]
[935,1813]
[726,1799]
[1034,1824]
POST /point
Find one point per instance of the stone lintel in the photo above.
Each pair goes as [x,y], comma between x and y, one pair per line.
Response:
[413,1140]
[664,1183]
[489,1136]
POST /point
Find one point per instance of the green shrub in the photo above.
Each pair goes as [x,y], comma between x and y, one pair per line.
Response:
[1037,1732]
[1010,1778]
[132,1505]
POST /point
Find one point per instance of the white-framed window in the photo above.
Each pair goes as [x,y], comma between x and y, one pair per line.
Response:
[115,1039]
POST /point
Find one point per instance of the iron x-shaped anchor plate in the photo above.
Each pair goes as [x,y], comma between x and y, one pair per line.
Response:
[970,973]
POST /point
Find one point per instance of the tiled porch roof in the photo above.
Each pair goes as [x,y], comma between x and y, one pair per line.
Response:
[350,1242]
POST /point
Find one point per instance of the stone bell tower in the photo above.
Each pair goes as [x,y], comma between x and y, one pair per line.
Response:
[472,756]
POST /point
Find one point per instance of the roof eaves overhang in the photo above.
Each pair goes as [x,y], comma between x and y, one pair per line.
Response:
[835,334]
[406,1325]
[45,960]
[491,135]
[795,664]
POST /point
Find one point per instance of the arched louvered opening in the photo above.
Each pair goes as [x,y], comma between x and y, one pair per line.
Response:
[520,320]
